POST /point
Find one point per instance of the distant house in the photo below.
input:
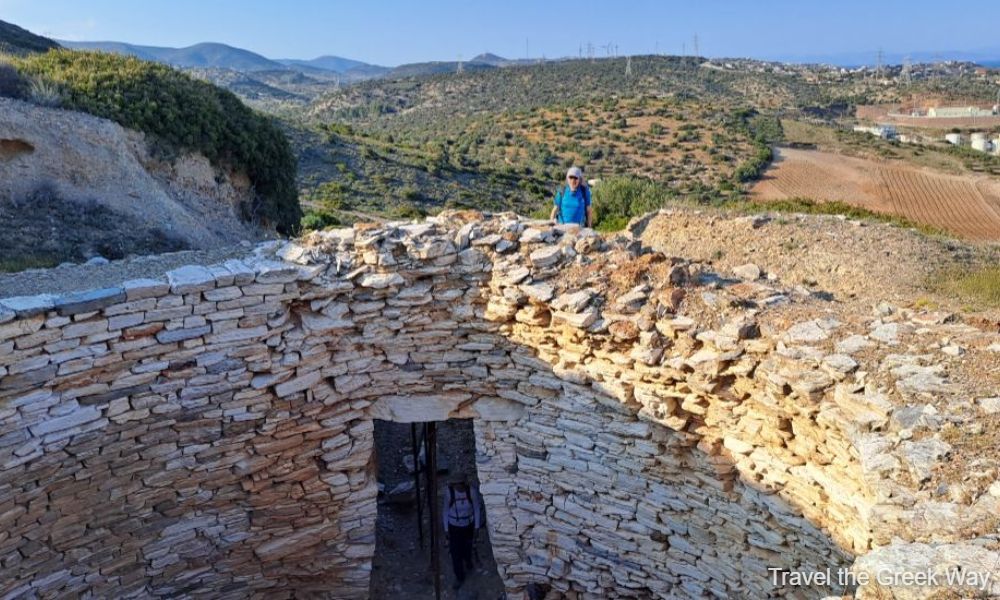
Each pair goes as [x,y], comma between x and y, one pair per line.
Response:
[958,112]
[886,132]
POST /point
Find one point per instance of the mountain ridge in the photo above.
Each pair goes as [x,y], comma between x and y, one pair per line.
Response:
[19,40]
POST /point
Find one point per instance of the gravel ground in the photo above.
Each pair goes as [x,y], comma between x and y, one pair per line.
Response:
[401,568]
[864,263]
[81,277]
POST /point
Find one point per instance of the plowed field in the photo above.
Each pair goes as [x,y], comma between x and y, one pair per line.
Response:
[967,206]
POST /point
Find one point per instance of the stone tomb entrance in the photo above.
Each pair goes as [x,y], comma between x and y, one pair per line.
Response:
[402,565]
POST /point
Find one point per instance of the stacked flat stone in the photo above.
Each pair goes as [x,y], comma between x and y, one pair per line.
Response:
[210,433]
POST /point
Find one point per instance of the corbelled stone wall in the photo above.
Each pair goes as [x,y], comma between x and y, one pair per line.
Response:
[210,434]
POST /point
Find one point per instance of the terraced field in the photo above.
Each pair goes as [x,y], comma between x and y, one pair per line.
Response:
[964,205]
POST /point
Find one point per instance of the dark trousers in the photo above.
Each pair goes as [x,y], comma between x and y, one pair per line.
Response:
[460,547]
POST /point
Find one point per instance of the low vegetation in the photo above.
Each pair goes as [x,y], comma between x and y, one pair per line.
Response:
[812,207]
[978,287]
[645,149]
[620,199]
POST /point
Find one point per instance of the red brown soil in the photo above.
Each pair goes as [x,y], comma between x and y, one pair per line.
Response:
[964,205]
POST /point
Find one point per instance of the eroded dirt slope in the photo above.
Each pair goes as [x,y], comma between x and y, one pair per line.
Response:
[74,186]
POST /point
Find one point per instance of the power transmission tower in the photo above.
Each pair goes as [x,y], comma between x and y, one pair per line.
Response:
[696,45]
[460,69]
[628,67]
[906,73]
[526,54]
[581,51]
[878,66]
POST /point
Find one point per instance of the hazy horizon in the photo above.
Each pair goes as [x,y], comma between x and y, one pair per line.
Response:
[396,32]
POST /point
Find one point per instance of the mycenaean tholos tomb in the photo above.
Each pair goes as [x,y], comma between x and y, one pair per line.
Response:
[644,426]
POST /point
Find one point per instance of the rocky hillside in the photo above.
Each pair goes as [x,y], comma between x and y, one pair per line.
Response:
[74,186]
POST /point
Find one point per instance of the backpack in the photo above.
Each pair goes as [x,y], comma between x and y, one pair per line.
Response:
[463,512]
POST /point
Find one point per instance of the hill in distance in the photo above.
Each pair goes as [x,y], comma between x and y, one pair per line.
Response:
[211,55]
[204,55]
[337,64]
[490,59]
[16,40]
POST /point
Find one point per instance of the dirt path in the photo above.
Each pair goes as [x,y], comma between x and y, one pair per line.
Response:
[401,568]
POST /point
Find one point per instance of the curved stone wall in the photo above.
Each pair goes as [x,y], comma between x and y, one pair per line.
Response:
[210,434]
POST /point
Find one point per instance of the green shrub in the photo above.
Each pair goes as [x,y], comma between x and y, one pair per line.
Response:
[410,194]
[407,213]
[319,220]
[619,199]
[753,167]
[184,113]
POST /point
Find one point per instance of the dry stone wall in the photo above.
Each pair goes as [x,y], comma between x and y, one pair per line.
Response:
[209,434]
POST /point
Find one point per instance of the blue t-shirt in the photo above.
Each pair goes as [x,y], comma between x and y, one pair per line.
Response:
[572,205]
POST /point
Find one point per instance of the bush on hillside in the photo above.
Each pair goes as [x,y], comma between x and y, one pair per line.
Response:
[618,199]
[185,113]
[11,82]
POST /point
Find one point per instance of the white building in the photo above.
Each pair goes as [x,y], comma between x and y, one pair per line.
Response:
[886,132]
[980,142]
[958,112]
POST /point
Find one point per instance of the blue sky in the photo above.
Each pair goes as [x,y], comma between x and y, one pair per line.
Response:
[391,32]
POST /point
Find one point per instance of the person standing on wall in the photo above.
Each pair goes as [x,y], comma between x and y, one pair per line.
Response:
[461,521]
[572,201]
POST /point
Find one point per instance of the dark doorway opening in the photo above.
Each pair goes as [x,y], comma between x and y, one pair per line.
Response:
[403,567]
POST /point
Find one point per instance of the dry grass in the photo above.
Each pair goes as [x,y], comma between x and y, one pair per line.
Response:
[977,287]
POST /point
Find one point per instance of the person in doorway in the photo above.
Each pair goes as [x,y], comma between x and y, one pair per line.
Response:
[572,201]
[461,522]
